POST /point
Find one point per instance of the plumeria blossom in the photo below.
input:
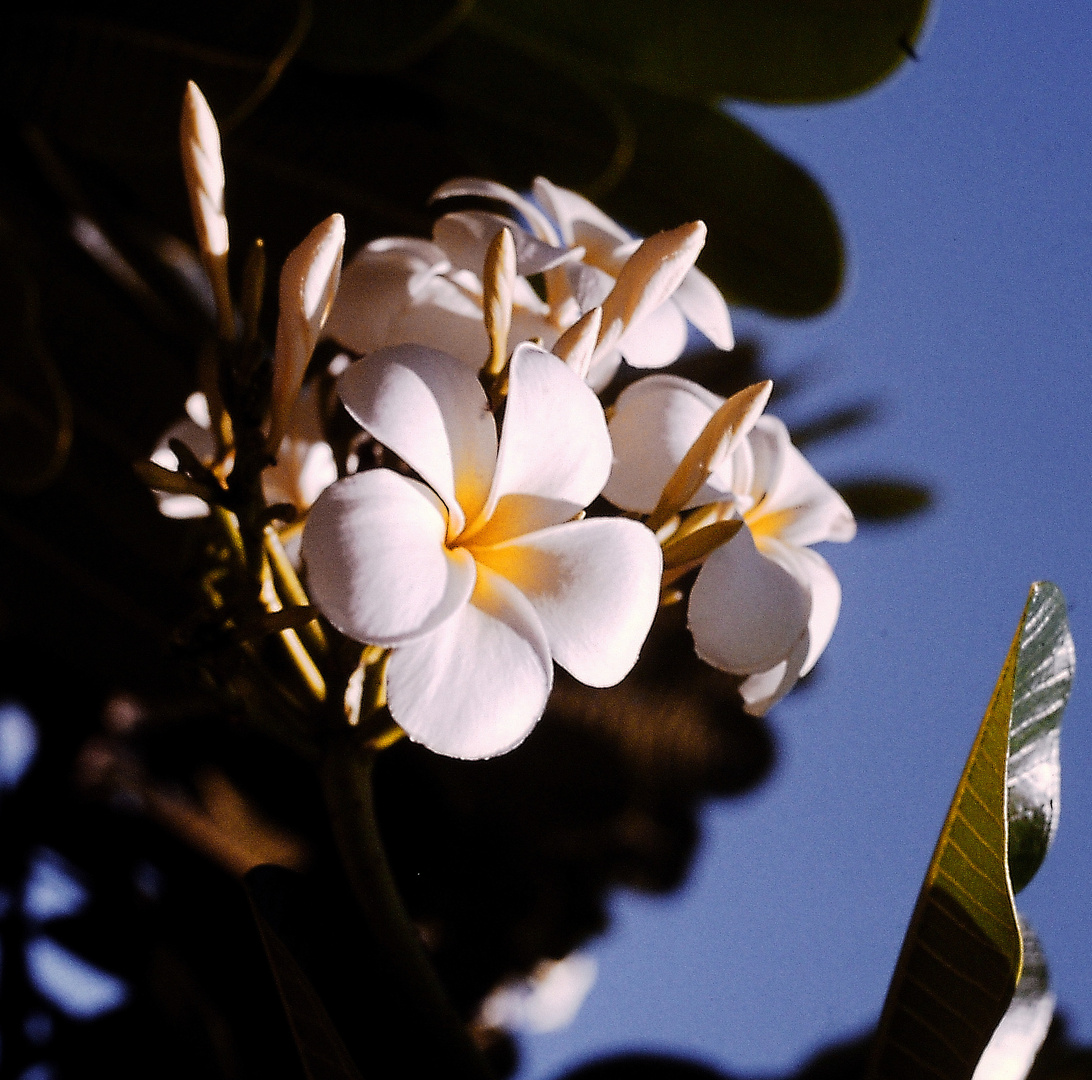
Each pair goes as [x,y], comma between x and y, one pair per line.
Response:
[764,605]
[305,464]
[478,575]
[401,289]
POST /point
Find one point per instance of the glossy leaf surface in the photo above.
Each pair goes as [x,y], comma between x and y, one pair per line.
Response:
[781,51]
[963,952]
[1012,1049]
[1044,675]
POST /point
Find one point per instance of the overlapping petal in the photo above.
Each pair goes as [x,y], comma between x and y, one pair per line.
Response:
[795,503]
[434,415]
[656,420]
[378,567]
[746,611]
[476,686]
[702,304]
[555,452]
[377,288]
[594,584]
[656,339]
[813,572]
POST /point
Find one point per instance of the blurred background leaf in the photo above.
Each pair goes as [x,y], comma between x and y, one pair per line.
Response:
[783,52]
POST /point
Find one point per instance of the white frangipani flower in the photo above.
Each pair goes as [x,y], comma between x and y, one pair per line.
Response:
[479,577]
[305,463]
[398,289]
[764,605]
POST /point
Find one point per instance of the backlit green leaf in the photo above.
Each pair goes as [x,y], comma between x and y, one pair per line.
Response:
[777,51]
[963,953]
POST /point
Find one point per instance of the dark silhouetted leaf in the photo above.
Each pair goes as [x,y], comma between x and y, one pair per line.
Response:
[780,51]
[35,407]
[884,500]
[369,35]
[963,952]
[773,238]
[323,1053]
[652,161]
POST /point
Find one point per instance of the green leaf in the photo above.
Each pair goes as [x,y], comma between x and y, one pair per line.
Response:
[778,51]
[1044,675]
[1013,1046]
[322,1052]
[881,499]
[963,953]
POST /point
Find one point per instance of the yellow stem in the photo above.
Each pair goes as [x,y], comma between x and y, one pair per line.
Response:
[306,666]
[288,584]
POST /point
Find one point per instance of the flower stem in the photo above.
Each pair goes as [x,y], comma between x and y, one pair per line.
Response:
[347,771]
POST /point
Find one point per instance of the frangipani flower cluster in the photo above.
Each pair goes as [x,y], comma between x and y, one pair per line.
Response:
[403,289]
[482,575]
[764,605]
[467,566]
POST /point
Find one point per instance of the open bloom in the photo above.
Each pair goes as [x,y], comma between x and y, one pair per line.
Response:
[400,289]
[764,605]
[477,575]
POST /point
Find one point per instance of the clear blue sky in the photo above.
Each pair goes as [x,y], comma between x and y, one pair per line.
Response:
[963,187]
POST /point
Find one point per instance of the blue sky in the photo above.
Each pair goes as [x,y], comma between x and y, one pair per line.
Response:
[963,187]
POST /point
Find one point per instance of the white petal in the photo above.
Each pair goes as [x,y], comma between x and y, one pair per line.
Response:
[656,339]
[476,686]
[581,221]
[746,612]
[308,283]
[471,187]
[554,454]
[197,409]
[701,302]
[432,412]
[377,286]
[603,368]
[762,691]
[815,574]
[305,464]
[595,585]
[447,316]
[377,566]
[181,507]
[194,436]
[466,236]
[588,285]
[794,503]
[655,422]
